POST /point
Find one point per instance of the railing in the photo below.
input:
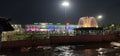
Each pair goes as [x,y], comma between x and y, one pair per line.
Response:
[47,34]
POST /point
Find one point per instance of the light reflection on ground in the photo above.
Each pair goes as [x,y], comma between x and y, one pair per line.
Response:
[68,51]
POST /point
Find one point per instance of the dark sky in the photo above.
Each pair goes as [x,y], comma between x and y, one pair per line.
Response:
[29,11]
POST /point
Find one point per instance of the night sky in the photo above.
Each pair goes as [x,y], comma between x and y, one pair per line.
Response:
[29,11]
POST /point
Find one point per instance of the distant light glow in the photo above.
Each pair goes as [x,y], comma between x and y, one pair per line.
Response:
[33,28]
[112,25]
[43,27]
[70,28]
[43,23]
[115,44]
[43,30]
[58,23]
[100,16]
[87,22]
[50,28]
[36,23]
[65,3]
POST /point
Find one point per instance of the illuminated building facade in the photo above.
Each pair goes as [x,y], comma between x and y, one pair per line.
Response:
[36,27]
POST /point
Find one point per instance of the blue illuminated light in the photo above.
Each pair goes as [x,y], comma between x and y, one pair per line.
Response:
[51,28]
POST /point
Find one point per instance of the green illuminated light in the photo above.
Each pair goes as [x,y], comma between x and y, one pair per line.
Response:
[36,23]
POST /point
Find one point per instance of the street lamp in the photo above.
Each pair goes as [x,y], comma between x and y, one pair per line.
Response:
[100,17]
[65,4]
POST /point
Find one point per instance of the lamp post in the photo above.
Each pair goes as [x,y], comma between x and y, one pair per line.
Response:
[65,4]
[99,18]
